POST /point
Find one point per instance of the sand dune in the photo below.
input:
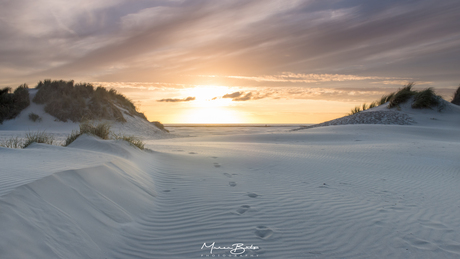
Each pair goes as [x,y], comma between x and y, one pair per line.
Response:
[346,191]
[445,114]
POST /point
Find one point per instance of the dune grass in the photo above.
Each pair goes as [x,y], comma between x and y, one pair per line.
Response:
[402,95]
[385,98]
[37,137]
[355,110]
[102,130]
[363,107]
[134,141]
[426,98]
[13,142]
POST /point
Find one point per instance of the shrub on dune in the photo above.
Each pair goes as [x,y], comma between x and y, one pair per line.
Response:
[456,98]
[11,104]
[68,101]
[34,117]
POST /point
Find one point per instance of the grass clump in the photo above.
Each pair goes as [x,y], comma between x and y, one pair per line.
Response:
[456,98]
[34,117]
[134,141]
[72,137]
[422,99]
[363,107]
[11,104]
[14,142]
[385,98]
[37,137]
[402,96]
[373,104]
[426,99]
[355,110]
[102,130]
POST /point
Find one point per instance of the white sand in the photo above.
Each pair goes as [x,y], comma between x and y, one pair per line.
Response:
[349,191]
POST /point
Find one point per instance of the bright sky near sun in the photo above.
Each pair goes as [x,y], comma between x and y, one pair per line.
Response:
[235,61]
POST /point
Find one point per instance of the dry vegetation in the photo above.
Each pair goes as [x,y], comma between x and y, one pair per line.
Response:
[422,99]
[11,104]
[78,102]
[456,98]
[102,130]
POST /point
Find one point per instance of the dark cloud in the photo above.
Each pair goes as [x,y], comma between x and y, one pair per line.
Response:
[233,95]
[174,100]
[242,96]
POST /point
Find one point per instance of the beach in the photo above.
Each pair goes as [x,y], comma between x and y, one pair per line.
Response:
[345,191]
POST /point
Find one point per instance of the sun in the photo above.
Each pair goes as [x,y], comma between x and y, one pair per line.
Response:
[209,106]
[209,95]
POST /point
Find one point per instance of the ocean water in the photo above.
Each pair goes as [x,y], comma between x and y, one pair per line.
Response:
[198,130]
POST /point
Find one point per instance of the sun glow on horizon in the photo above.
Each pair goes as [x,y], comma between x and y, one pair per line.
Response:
[208,95]
[210,107]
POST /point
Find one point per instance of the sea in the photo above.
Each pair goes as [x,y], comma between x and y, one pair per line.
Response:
[199,130]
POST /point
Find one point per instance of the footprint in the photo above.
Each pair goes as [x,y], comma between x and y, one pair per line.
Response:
[232,184]
[323,186]
[216,165]
[166,190]
[214,157]
[253,195]
[243,209]
[263,232]
[192,153]
[228,175]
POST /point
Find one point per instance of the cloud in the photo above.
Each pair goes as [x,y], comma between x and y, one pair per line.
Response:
[306,78]
[245,97]
[233,95]
[242,96]
[241,41]
[174,100]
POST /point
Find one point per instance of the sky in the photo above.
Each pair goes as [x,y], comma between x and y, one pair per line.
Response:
[235,61]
